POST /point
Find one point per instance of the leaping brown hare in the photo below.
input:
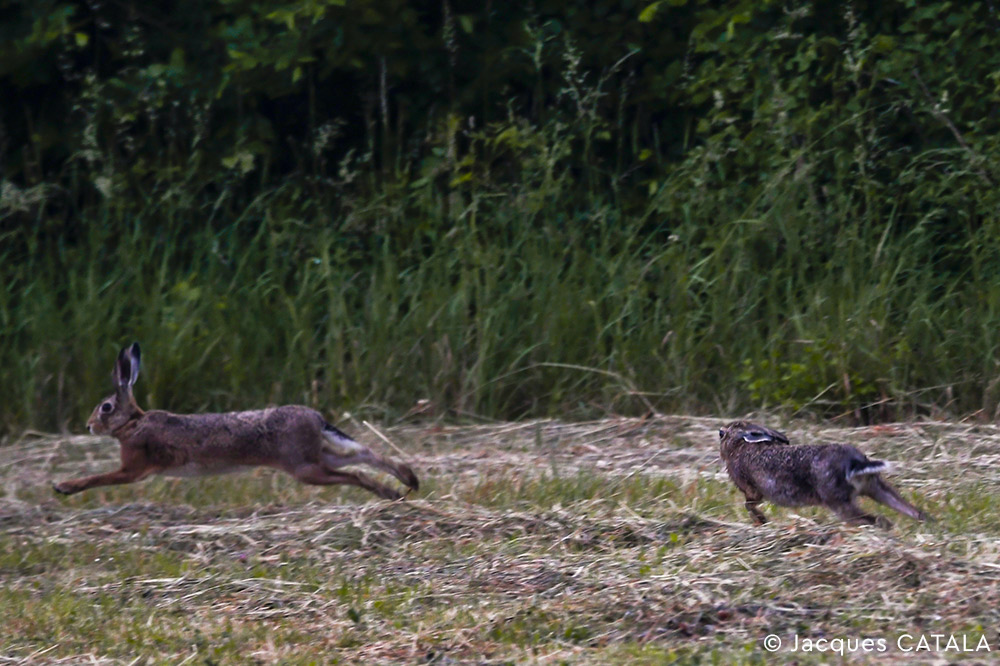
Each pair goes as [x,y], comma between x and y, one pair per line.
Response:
[763,465]
[293,438]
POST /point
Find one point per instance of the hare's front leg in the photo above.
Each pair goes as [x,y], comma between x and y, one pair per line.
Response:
[117,477]
[133,468]
[754,497]
[758,516]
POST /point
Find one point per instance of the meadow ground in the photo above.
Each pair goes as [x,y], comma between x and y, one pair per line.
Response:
[617,541]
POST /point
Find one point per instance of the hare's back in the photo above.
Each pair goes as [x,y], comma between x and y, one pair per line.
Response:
[274,420]
[256,427]
[784,474]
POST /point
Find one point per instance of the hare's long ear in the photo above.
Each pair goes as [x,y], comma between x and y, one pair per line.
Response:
[756,434]
[135,356]
[127,367]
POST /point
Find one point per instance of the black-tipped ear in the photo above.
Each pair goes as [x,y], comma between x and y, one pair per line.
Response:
[756,434]
[127,367]
[135,356]
[778,436]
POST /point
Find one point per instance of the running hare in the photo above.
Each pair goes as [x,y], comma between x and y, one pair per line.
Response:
[293,438]
[765,467]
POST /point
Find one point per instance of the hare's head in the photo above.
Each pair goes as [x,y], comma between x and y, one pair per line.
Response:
[119,407]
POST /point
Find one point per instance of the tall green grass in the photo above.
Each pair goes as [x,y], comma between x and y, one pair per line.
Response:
[501,306]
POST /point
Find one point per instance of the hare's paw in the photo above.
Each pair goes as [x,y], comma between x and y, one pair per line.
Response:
[409,478]
[63,488]
[388,493]
[883,523]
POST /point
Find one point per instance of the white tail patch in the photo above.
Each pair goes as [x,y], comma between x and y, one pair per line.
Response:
[875,467]
[340,442]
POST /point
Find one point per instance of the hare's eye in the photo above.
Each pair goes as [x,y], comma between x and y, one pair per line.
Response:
[106,407]
[722,433]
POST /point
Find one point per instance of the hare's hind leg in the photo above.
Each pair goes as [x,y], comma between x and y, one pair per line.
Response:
[850,512]
[344,450]
[882,492]
[319,475]
[369,457]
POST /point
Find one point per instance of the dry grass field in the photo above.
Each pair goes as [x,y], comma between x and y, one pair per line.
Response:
[618,541]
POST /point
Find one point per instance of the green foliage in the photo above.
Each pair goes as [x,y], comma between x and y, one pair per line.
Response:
[543,209]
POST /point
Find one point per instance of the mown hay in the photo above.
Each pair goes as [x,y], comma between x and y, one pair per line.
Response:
[611,541]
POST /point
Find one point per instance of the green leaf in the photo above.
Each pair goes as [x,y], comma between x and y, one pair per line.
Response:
[883,44]
[647,14]
[464,178]
[177,58]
